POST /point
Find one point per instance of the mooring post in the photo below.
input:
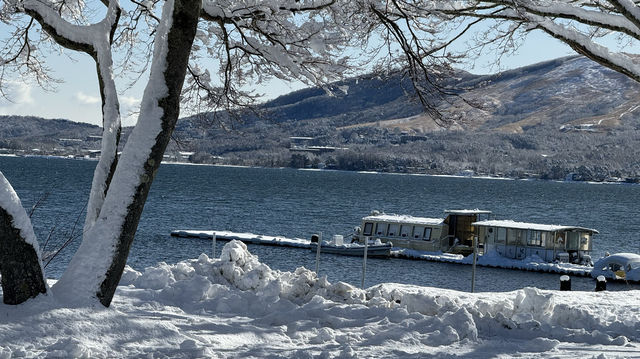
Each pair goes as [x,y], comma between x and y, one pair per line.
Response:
[318,254]
[601,283]
[565,283]
[473,268]
[213,245]
[364,262]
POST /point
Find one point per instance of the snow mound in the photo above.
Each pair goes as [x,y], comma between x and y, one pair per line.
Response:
[204,278]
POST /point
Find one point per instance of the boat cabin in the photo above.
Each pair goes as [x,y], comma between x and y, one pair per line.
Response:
[519,240]
[453,234]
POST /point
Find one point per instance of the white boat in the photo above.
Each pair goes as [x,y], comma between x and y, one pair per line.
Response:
[452,234]
[551,243]
[619,266]
[337,246]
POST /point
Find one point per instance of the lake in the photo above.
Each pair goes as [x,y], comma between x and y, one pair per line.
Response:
[298,203]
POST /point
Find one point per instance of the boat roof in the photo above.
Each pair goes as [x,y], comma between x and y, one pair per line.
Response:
[396,218]
[533,226]
[466,211]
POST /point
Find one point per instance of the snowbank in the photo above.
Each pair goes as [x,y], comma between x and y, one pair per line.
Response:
[236,306]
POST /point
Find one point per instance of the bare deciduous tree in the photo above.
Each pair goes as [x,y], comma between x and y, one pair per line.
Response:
[315,41]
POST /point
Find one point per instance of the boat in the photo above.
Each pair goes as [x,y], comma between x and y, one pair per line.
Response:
[452,234]
[462,230]
[618,266]
[337,246]
[551,243]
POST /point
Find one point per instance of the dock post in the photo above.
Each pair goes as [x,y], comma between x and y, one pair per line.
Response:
[601,283]
[364,262]
[318,254]
[473,269]
[565,283]
[213,245]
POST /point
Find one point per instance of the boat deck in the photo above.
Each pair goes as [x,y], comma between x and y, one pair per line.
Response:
[402,253]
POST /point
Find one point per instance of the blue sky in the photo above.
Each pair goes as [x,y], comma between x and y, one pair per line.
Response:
[78,98]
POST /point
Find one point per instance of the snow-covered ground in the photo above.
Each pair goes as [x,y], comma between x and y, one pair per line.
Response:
[236,306]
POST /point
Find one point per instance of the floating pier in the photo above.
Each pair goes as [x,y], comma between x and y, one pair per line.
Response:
[494,261]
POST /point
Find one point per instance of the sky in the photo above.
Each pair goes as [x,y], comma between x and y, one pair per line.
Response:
[78,98]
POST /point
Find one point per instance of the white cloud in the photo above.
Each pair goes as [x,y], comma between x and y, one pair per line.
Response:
[22,93]
[130,101]
[87,99]
[19,99]
[18,93]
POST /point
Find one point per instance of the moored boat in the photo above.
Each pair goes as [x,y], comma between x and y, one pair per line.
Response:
[337,246]
[618,266]
[452,234]
[551,243]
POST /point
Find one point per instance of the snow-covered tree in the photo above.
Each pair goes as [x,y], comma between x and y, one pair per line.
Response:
[606,31]
[244,41]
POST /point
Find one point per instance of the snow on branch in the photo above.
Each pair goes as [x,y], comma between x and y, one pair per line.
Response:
[258,40]
[577,23]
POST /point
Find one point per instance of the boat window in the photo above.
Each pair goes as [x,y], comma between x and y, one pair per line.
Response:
[573,241]
[614,267]
[502,235]
[405,230]
[368,229]
[393,229]
[545,237]
[381,229]
[585,242]
[513,236]
[534,239]
[427,234]
[418,232]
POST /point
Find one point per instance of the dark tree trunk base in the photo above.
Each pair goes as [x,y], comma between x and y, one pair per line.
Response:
[22,276]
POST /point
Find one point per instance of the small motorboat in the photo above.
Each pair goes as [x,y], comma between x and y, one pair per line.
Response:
[374,248]
[619,266]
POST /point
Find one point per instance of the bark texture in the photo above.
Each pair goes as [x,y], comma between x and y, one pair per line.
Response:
[180,39]
[22,276]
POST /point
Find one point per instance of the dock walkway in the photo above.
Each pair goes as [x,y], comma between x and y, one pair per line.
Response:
[402,253]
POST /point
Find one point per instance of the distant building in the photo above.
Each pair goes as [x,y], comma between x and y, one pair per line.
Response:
[184,156]
[94,153]
[302,144]
[69,141]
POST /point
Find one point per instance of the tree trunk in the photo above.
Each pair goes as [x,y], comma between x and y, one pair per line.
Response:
[20,267]
[113,233]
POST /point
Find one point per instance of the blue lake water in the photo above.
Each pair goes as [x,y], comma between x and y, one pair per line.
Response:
[298,203]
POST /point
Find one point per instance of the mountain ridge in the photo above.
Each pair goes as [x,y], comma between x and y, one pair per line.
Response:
[543,120]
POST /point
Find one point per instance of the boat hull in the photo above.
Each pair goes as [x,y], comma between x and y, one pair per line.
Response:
[378,251]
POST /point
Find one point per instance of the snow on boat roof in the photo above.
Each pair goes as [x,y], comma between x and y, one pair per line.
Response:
[624,257]
[395,218]
[467,211]
[533,226]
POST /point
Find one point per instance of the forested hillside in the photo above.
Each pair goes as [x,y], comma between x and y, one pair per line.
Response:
[564,117]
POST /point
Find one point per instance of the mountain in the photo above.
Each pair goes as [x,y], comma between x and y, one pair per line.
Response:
[28,132]
[565,117]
